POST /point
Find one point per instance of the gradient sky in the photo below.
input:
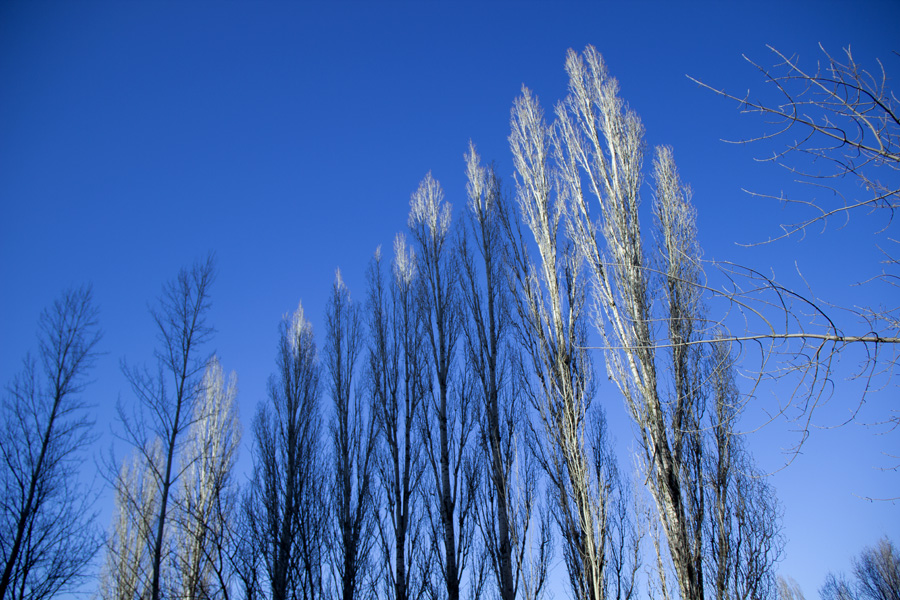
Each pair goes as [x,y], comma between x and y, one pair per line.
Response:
[135,137]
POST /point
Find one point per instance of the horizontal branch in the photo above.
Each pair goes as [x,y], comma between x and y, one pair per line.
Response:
[844,339]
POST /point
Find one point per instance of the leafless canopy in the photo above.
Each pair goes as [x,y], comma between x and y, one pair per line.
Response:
[838,121]
[550,302]
[519,553]
[352,505]
[286,510]
[450,415]
[586,172]
[395,373]
[158,427]
[47,535]
[829,126]
[876,576]
[206,503]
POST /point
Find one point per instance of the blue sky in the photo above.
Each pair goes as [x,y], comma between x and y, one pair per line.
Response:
[287,137]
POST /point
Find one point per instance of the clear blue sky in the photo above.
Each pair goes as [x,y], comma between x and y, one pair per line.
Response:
[287,137]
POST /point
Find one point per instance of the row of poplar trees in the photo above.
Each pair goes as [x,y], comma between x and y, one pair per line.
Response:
[446,439]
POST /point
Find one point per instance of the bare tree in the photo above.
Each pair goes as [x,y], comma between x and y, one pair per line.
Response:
[789,589]
[167,395]
[679,258]
[598,153]
[353,441]
[841,121]
[286,505]
[396,383]
[876,573]
[836,588]
[451,411]
[835,124]
[510,497]
[598,136]
[550,302]
[206,502]
[47,532]
[126,573]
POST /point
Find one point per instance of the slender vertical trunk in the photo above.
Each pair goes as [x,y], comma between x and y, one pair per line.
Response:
[400,583]
[405,490]
[498,474]
[167,478]
[348,581]
[498,477]
[447,504]
[161,517]
[284,540]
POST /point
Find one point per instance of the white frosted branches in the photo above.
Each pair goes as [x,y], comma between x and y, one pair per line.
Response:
[300,329]
[550,302]
[404,260]
[427,208]
[598,145]
[207,499]
[127,570]
[481,200]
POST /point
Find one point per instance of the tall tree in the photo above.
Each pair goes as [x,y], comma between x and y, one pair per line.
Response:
[206,503]
[395,377]
[598,136]
[552,329]
[678,257]
[353,445]
[450,415]
[166,396]
[126,570]
[599,151]
[509,500]
[47,534]
[286,505]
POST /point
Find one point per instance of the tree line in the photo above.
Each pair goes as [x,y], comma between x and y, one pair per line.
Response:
[448,438]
